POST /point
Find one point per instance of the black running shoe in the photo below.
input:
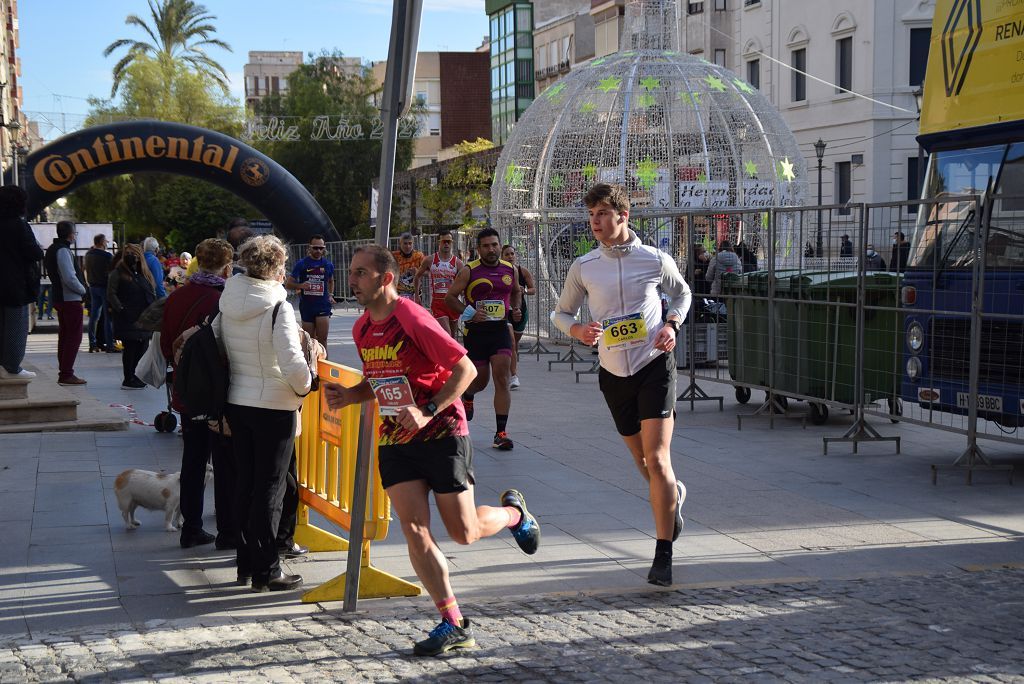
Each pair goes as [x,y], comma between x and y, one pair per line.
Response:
[445,637]
[680,498]
[502,442]
[468,404]
[527,532]
[661,571]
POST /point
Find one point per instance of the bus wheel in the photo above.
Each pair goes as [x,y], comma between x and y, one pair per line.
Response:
[818,413]
[743,394]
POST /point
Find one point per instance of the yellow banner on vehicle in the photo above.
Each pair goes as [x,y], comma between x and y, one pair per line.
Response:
[975,71]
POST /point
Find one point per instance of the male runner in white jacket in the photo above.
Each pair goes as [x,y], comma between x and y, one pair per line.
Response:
[623,280]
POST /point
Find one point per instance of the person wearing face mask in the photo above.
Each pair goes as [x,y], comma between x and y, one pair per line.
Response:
[873,261]
[130,289]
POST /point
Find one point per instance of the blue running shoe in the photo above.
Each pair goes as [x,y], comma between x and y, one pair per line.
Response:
[527,532]
[445,637]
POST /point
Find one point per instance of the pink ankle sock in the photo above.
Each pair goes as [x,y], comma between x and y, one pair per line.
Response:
[514,516]
[449,608]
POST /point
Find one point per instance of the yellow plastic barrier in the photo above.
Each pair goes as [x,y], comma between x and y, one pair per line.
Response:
[326,459]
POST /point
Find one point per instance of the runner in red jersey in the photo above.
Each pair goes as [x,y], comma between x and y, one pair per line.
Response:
[442,269]
[417,372]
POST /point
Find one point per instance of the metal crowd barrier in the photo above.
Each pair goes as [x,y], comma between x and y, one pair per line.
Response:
[816,317]
[336,457]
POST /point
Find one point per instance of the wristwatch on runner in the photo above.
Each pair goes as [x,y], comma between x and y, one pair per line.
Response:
[674,324]
[430,408]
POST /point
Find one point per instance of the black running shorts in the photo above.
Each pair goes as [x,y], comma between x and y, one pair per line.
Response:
[648,393]
[446,464]
[487,339]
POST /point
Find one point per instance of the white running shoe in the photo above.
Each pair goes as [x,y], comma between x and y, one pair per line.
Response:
[514,383]
[20,375]
[680,498]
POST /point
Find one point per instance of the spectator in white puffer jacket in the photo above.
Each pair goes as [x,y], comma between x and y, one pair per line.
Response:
[269,378]
[725,261]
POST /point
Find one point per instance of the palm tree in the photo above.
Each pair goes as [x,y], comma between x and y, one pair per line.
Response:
[180,30]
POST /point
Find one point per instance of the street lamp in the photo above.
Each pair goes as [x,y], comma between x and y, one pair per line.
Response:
[819,150]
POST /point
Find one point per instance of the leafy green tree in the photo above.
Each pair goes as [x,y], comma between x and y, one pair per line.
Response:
[465,186]
[180,32]
[338,172]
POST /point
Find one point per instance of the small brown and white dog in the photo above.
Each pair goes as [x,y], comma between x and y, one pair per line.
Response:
[153,491]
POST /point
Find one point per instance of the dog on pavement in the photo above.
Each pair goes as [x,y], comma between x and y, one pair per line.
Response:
[153,491]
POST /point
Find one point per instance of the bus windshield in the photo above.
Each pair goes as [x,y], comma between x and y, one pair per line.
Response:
[945,231]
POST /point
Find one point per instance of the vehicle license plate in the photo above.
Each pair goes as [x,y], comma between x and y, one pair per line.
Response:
[986,402]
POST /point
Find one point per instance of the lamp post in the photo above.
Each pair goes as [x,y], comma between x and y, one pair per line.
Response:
[819,150]
[12,128]
[918,99]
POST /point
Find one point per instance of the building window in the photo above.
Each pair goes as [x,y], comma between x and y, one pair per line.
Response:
[754,73]
[720,5]
[275,84]
[799,64]
[843,186]
[720,57]
[421,98]
[920,39]
[844,64]
[695,8]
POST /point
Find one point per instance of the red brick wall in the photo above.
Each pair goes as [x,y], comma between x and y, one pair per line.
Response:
[465,97]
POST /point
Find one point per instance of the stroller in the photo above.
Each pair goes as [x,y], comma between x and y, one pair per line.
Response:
[154,370]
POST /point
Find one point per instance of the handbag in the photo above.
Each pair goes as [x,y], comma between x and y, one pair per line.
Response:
[152,367]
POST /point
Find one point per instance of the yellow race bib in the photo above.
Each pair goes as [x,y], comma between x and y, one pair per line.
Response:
[494,308]
[624,332]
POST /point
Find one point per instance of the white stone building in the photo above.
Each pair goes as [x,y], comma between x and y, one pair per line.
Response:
[876,48]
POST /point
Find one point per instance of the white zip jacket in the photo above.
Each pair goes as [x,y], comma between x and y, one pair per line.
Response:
[268,370]
[619,281]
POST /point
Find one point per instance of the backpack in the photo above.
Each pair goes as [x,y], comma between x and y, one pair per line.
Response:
[202,376]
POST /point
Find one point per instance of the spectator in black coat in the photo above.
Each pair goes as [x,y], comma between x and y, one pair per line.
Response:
[19,280]
[900,253]
[130,289]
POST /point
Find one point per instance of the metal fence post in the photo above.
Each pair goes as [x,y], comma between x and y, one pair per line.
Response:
[359,493]
[861,430]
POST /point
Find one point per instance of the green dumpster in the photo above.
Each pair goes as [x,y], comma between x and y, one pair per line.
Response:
[815,336]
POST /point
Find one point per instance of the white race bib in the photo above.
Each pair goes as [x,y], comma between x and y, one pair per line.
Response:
[393,394]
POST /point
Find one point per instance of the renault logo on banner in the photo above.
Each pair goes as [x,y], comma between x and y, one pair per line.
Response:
[960,38]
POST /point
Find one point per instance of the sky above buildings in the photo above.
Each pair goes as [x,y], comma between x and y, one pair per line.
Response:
[62,41]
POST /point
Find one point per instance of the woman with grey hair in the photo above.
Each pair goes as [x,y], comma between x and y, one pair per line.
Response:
[269,378]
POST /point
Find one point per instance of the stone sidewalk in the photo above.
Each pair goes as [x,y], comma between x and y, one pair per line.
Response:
[793,565]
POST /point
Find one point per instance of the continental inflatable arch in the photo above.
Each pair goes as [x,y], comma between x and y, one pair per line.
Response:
[159,146]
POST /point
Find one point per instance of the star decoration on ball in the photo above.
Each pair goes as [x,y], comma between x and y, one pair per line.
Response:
[647,173]
[609,84]
[742,85]
[715,82]
[786,169]
[649,83]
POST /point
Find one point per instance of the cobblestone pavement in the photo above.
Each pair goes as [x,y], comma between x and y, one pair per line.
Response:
[953,627]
